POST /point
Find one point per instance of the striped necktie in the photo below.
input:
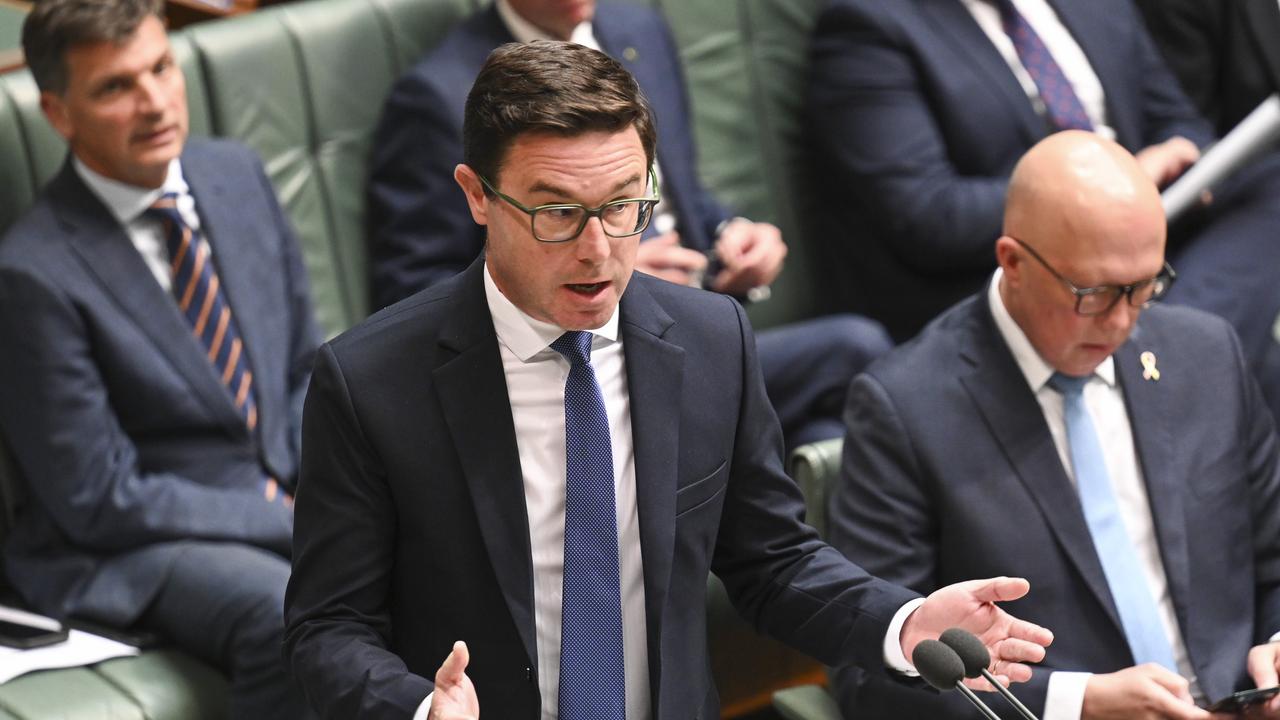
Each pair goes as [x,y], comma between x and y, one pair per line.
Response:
[200,298]
[1062,105]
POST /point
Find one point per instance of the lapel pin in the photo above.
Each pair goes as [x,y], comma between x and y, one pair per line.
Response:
[630,54]
[1149,371]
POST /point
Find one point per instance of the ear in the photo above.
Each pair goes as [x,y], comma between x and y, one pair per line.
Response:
[1008,258]
[471,186]
[55,111]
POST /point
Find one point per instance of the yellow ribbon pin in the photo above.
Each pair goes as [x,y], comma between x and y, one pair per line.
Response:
[1149,371]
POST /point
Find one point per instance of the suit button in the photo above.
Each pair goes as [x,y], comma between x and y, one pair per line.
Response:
[528,674]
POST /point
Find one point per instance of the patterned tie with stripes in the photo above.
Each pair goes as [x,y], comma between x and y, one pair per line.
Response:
[200,299]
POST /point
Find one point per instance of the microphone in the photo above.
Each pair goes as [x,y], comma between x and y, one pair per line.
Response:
[973,654]
[942,668]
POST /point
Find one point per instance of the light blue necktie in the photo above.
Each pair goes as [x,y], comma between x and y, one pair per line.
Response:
[592,678]
[1138,612]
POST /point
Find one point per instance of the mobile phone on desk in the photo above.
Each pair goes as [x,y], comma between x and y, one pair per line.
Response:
[1237,702]
[24,637]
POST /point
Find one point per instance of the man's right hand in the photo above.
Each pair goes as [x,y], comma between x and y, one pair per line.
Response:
[1145,692]
[664,257]
[454,697]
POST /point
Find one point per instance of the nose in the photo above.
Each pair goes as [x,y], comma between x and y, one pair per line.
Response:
[593,245]
[152,95]
[1120,318]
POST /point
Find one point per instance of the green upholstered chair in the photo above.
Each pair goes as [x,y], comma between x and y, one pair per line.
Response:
[814,467]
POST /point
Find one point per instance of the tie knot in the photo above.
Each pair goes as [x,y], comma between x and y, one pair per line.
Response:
[575,346]
[165,208]
[1068,384]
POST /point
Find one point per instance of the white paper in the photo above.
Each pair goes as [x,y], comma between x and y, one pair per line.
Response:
[80,648]
[1254,134]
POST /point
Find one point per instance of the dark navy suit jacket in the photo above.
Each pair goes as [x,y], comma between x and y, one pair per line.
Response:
[127,439]
[420,228]
[918,121]
[412,531]
[950,472]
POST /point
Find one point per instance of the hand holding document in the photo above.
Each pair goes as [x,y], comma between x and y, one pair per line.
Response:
[1253,135]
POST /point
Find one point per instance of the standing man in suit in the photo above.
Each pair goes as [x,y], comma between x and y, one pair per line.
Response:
[157,339]
[545,455]
[421,231]
[1225,52]
[1118,457]
[921,108]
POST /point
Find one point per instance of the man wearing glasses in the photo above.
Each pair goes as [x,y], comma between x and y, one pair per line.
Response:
[1064,427]
[544,456]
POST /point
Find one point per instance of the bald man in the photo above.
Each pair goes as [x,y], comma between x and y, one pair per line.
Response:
[1114,451]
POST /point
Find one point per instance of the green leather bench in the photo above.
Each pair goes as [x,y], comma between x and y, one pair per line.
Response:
[303,84]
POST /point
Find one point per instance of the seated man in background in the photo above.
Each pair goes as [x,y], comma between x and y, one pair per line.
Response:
[1225,53]
[1118,457]
[545,455]
[157,338]
[921,108]
[421,232]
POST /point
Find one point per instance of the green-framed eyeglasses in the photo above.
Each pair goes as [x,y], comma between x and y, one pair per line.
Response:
[1099,299]
[562,222]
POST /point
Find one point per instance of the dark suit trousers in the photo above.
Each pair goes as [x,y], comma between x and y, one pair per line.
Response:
[224,603]
[807,368]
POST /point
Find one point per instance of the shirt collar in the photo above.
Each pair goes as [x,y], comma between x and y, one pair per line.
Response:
[526,336]
[126,202]
[1036,371]
[524,31]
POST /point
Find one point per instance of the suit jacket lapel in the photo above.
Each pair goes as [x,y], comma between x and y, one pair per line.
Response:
[110,256]
[1151,413]
[1264,22]
[655,371]
[954,24]
[473,396]
[1092,28]
[245,268]
[1016,421]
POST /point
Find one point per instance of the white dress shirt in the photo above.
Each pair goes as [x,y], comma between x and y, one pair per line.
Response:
[128,202]
[1105,403]
[1064,49]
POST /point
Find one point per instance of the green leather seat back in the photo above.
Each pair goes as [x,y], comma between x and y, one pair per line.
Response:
[746,63]
[815,468]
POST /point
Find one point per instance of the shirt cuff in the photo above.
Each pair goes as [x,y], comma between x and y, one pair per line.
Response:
[424,709]
[894,659]
[1064,700]
[1275,638]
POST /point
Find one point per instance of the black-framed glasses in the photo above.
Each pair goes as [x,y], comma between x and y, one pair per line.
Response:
[562,222]
[1098,300]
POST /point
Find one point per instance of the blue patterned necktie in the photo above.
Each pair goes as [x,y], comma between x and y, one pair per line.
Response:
[1138,612]
[592,679]
[200,298]
[1060,100]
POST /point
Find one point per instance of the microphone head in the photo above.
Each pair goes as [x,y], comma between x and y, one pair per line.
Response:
[972,652]
[938,664]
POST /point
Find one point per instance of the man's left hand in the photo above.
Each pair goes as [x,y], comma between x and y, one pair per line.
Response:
[1264,668]
[752,255]
[972,606]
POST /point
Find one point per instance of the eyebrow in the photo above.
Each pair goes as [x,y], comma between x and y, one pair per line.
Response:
[554,190]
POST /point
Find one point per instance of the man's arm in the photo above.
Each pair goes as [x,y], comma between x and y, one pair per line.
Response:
[420,230]
[877,133]
[337,623]
[56,411]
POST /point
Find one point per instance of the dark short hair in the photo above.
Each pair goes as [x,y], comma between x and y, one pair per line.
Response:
[55,26]
[553,87]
